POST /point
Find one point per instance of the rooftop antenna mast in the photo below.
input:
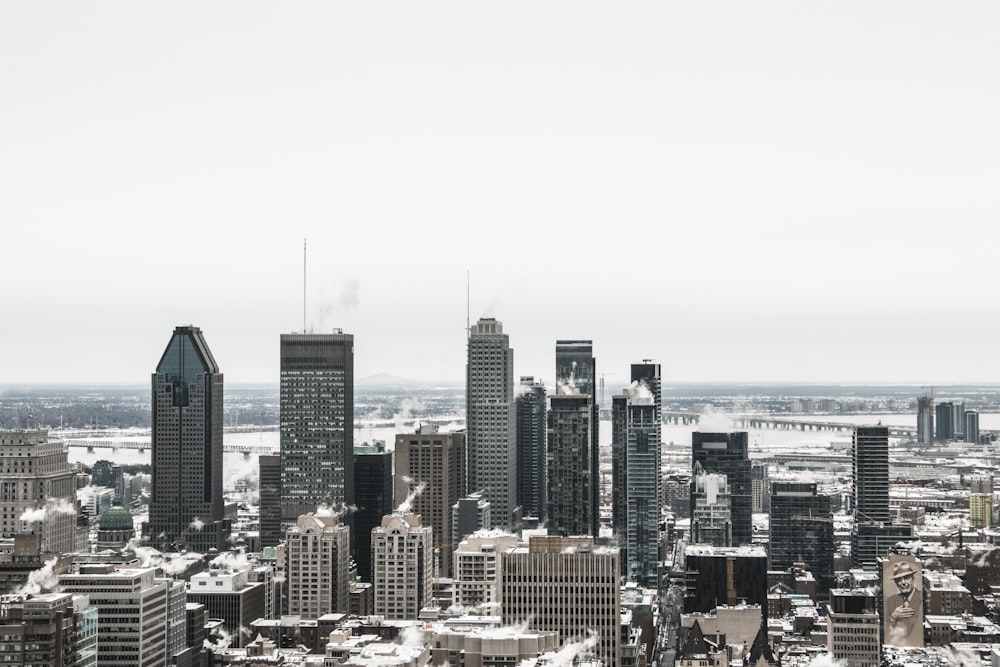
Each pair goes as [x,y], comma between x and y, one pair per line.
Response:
[304,285]
[467,323]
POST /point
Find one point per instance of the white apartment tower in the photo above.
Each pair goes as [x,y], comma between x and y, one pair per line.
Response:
[402,563]
[37,489]
[477,570]
[319,554]
[490,422]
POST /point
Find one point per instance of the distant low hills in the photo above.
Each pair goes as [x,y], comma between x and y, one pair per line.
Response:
[390,380]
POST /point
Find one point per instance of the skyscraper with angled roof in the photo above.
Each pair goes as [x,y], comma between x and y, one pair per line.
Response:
[186,508]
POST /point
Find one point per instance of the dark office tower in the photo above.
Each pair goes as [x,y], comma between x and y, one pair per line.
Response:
[576,369]
[925,420]
[871,474]
[945,426]
[316,423]
[802,530]
[435,463]
[490,422]
[186,505]
[571,486]
[373,494]
[619,472]
[270,500]
[971,426]
[636,473]
[532,478]
[727,454]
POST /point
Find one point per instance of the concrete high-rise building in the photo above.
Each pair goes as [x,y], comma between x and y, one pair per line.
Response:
[576,372]
[477,570]
[636,444]
[132,609]
[801,530]
[186,503]
[39,490]
[568,585]
[269,467]
[490,421]
[402,558]
[728,454]
[435,463]
[871,474]
[572,488]
[373,494]
[229,595]
[971,426]
[532,480]
[925,420]
[41,630]
[316,423]
[318,566]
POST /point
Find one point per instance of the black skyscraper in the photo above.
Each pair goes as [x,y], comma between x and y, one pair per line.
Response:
[727,454]
[373,484]
[186,506]
[576,369]
[532,473]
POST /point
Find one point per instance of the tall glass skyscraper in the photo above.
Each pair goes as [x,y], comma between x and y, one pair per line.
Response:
[532,469]
[576,371]
[316,423]
[186,507]
[490,422]
[636,444]
[572,488]
[801,530]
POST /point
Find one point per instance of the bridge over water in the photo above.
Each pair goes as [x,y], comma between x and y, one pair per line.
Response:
[787,423]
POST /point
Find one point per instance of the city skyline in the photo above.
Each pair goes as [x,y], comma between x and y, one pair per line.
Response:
[811,187]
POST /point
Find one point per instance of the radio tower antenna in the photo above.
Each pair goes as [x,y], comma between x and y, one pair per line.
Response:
[304,285]
[467,322]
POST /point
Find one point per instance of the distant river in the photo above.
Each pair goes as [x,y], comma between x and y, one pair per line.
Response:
[676,437]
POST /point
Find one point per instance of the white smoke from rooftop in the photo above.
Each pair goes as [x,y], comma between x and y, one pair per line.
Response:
[566,655]
[567,386]
[406,411]
[824,660]
[171,564]
[234,560]
[715,422]
[415,491]
[225,640]
[60,506]
[41,580]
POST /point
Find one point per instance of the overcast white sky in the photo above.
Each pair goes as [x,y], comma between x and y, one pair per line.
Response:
[768,191]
